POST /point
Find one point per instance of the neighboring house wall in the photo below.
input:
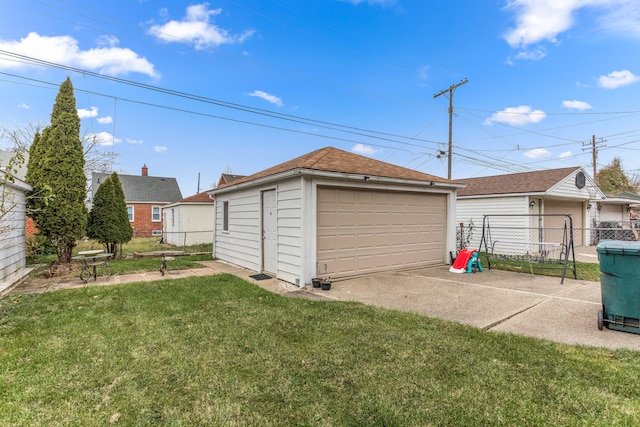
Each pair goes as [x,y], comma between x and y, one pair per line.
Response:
[188,224]
[474,209]
[143,224]
[12,228]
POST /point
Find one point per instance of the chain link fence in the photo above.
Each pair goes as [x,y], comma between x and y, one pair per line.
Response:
[188,238]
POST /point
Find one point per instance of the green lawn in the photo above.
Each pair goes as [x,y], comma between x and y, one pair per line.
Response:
[219,351]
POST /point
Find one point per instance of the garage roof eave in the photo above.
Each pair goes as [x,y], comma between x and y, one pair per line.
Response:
[337,176]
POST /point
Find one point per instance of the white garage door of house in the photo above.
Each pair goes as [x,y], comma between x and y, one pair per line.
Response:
[558,207]
[362,232]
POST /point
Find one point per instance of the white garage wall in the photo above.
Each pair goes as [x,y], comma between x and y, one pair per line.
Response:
[12,231]
[289,195]
[242,243]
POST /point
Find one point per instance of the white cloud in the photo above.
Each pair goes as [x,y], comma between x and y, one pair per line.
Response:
[520,115]
[537,153]
[103,138]
[267,97]
[576,105]
[363,149]
[565,155]
[104,120]
[64,50]
[530,55]
[159,149]
[616,79]
[197,29]
[24,106]
[540,20]
[134,141]
[624,19]
[83,113]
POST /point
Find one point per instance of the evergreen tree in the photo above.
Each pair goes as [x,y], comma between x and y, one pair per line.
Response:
[125,232]
[108,220]
[102,225]
[56,165]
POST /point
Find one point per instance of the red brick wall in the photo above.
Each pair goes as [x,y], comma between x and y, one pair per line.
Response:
[31,228]
[142,224]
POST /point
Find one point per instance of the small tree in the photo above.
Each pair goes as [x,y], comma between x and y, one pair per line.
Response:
[125,232]
[612,178]
[108,221]
[56,163]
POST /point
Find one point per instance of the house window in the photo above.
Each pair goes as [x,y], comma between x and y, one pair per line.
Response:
[130,213]
[225,216]
[155,214]
[156,232]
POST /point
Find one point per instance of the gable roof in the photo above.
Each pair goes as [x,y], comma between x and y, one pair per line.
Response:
[330,159]
[515,183]
[227,178]
[143,189]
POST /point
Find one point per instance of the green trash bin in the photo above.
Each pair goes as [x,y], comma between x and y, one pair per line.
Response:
[620,285]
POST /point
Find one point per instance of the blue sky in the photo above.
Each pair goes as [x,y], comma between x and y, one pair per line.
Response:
[200,88]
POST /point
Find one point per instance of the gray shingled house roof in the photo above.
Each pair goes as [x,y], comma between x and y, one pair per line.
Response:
[142,189]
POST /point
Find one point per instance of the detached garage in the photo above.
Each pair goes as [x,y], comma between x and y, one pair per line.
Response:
[336,213]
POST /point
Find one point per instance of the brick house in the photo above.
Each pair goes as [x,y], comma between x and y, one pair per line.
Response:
[145,196]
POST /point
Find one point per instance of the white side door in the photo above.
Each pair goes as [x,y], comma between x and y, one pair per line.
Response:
[269,232]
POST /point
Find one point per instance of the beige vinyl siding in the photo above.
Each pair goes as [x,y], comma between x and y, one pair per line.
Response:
[554,225]
[613,213]
[567,188]
[365,231]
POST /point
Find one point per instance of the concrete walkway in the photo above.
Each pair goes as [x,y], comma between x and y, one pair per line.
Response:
[493,300]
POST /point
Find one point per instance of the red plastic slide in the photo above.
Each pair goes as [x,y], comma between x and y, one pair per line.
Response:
[460,264]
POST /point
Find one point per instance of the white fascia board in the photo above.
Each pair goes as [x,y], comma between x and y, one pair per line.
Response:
[335,176]
[495,196]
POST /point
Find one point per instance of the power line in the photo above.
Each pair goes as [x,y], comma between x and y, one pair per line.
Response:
[385,136]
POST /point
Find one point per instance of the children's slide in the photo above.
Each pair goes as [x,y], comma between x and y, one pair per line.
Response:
[462,261]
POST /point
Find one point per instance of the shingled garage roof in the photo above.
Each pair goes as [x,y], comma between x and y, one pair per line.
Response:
[330,159]
[197,198]
[515,183]
[137,188]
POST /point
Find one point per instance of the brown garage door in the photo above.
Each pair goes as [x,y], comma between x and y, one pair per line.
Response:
[558,207]
[362,232]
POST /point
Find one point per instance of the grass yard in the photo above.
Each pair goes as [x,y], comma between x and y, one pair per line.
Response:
[584,270]
[219,351]
[131,265]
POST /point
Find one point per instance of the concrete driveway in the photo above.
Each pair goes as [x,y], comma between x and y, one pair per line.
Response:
[492,300]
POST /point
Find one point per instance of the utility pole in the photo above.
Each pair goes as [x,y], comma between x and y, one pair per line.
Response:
[594,155]
[451,89]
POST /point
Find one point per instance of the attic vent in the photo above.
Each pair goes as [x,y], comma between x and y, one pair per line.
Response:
[580,180]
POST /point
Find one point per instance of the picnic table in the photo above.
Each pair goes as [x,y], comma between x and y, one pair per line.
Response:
[90,261]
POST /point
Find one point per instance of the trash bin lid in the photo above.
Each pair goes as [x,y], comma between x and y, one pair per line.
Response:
[618,247]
